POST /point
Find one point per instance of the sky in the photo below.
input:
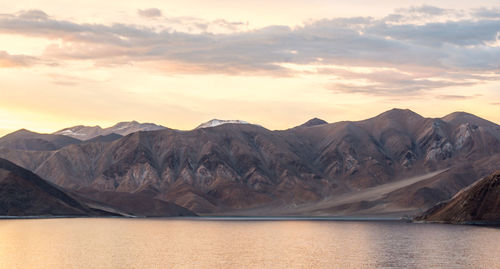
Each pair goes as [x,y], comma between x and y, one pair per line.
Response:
[274,63]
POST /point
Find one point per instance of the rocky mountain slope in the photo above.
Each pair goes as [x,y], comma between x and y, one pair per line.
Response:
[478,203]
[105,138]
[247,168]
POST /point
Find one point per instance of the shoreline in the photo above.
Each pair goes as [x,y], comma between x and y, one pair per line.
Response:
[262,218]
[220,218]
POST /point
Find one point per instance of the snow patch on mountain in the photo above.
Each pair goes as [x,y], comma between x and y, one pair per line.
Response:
[70,132]
[216,122]
[121,128]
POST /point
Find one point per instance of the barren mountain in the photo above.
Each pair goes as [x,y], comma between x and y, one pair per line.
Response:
[241,167]
[123,128]
[27,140]
[478,203]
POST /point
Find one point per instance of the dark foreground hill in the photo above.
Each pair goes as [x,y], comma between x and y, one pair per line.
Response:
[23,193]
[478,203]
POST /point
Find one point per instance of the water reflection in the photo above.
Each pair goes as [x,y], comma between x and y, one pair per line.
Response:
[125,243]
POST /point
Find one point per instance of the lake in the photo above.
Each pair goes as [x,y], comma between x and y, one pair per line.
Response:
[185,243]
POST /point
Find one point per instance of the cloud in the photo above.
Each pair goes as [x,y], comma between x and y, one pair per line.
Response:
[425,47]
[461,33]
[69,80]
[34,14]
[397,87]
[455,97]
[423,9]
[8,60]
[195,25]
[149,13]
[492,13]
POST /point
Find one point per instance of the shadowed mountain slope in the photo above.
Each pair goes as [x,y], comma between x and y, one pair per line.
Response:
[105,138]
[23,193]
[478,203]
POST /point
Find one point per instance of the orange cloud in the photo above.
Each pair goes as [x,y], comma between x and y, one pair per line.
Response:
[7,60]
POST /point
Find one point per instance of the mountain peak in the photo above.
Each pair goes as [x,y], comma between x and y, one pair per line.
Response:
[398,114]
[81,132]
[464,117]
[126,123]
[405,111]
[458,115]
[21,133]
[217,122]
[313,122]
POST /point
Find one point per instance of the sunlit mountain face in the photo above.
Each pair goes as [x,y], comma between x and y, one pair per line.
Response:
[97,63]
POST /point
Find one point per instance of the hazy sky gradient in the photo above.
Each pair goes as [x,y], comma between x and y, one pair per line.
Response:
[276,64]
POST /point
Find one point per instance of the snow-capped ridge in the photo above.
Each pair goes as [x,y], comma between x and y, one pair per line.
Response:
[122,128]
[217,122]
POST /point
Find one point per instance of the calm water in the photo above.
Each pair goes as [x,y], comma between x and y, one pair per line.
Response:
[141,243]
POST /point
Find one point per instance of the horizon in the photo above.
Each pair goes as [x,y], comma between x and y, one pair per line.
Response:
[252,123]
[93,63]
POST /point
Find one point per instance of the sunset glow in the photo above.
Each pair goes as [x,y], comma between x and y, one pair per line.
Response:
[97,63]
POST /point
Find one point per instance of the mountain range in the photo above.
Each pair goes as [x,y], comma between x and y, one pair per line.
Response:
[396,163]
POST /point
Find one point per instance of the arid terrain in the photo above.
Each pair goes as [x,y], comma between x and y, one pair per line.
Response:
[397,163]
